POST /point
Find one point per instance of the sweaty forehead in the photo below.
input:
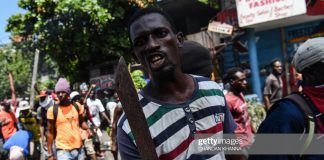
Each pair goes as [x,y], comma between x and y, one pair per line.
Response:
[240,75]
[277,64]
[147,23]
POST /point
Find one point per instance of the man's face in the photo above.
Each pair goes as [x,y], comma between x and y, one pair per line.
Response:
[239,83]
[24,112]
[155,44]
[62,96]
[92,95]
[277,68]
[42,98]
[7,107]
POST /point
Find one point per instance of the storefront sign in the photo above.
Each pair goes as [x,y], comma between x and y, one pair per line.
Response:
[251,12]
[220,27]
[103,82]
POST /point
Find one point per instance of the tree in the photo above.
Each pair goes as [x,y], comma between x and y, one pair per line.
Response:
[212,3]
[75,33]
[15,63]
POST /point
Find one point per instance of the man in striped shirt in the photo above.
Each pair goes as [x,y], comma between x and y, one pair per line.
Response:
[177,106]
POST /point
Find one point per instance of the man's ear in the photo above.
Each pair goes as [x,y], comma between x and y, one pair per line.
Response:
[231,82]
[180,39]
[309,75]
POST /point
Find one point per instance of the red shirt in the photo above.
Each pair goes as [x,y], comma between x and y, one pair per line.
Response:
[239,109]
[8,129]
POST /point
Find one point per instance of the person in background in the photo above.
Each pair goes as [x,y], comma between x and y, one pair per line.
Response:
[195,59]
[86,137]
[45,101]
[18,145]
[8,121]
[273,84]
[286,117]
[97,112]
[116,110]
[64,127]
[239,108]
[29,123]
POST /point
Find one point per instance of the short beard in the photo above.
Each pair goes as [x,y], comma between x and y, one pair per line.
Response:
[165,73]
[64,101]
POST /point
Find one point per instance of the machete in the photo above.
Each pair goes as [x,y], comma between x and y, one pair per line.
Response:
[133,110]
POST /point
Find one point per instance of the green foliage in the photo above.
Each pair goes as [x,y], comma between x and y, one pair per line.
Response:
[137,77]
[257,113]
[75,33]
[203,1]
[47,84]
[20,64]
[212,3]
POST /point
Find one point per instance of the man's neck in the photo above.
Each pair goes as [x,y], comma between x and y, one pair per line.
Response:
[276,74]
[235,92]
[65,103]
[174,90]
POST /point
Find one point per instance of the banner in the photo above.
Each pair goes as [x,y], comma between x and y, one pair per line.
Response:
[103,82]
[251,12]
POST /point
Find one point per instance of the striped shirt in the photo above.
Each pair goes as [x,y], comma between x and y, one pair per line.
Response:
[173,126]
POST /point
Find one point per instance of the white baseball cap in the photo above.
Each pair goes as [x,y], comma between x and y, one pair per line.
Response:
[73,94]
[23,105]
[16,153]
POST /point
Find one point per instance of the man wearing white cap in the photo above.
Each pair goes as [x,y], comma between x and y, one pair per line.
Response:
[28,122]
[287,115]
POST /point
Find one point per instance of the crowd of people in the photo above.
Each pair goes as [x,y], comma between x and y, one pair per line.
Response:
[64,125]
[179,102]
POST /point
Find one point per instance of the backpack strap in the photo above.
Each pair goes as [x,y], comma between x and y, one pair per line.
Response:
[76,106]
[55,113]
[305,107]
[44,117]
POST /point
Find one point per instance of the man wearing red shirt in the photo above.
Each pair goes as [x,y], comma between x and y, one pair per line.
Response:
[238,107]
[8,121]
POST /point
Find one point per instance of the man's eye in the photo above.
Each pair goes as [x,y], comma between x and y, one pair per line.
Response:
[161,33]
[139,42]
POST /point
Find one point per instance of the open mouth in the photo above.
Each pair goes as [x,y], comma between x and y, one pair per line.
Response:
[155,60]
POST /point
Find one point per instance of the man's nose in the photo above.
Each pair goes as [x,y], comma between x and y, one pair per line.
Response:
[152,43]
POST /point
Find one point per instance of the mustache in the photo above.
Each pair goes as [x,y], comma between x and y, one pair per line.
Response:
[148,56]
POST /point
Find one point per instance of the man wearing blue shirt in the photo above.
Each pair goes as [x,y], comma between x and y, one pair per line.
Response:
[18,144]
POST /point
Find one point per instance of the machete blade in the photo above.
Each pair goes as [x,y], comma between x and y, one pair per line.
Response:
[134,113]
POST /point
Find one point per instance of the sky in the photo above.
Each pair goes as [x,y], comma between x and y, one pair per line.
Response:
[7,8]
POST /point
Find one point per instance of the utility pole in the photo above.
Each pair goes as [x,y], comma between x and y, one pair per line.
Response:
[286,60]
[34,76]
[12,88]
